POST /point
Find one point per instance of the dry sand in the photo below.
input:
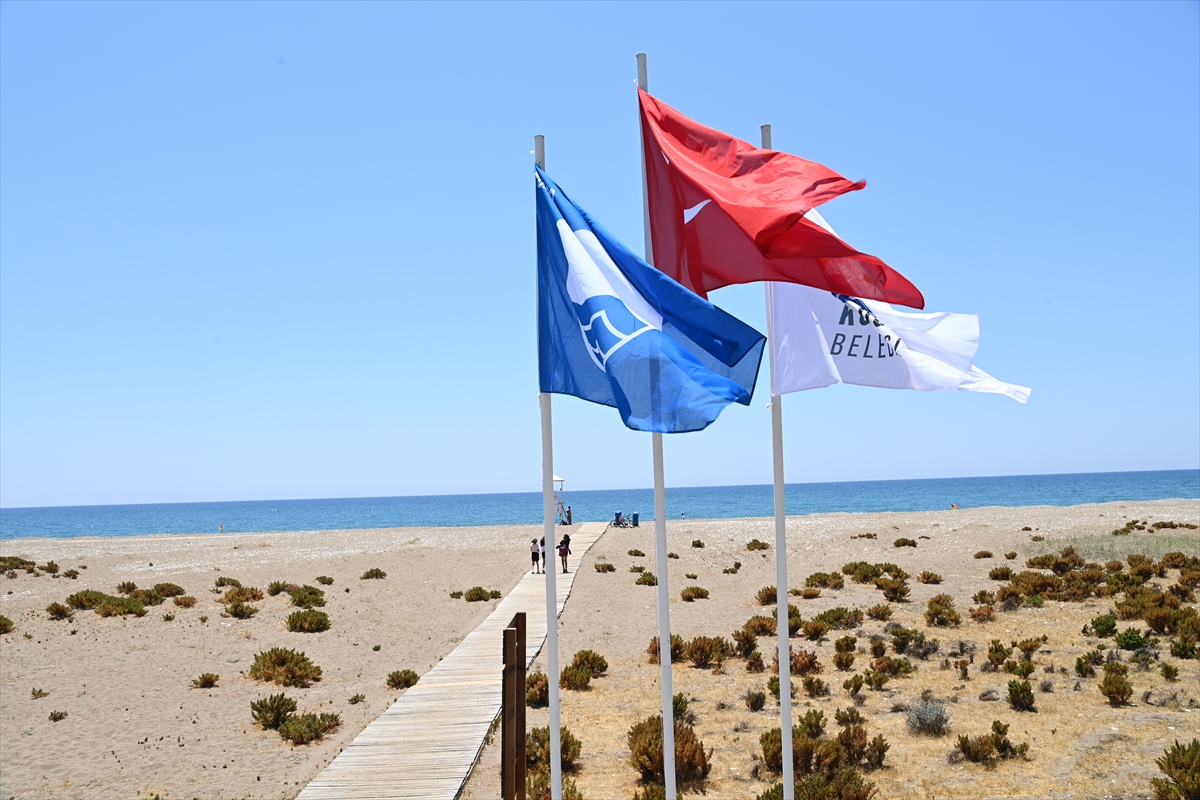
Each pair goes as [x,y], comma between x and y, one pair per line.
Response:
[135,729]
[1080,747]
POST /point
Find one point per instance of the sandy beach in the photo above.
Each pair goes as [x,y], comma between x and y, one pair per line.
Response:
[135,727]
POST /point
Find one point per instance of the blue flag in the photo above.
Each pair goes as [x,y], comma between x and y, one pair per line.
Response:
[613,330]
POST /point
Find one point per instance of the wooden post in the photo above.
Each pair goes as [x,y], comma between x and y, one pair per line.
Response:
[512,712]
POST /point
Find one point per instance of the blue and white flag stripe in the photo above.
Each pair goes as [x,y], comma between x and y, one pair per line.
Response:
[613,330]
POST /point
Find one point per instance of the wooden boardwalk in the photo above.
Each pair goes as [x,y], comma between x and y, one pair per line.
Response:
[426,743]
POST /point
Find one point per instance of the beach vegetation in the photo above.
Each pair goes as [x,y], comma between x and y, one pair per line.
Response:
[1185,647]
[58,611]
[58,716]
[12,573]
[477,594]
[1020,696]
[168,589]
[814,629]
[1115,686]
[324,580]
[203,618]
[239,610]
[984,613]
[757,544]
[308,597]
[737,565]
[147,597]
[754,663]
[697,543]
[184,601]
[206,681]
[703,649]
[672,555]
[224,581]
[1001,573]
[800,662]
[691,593]
[940,612]
[577,679]
[893,590]
[1036,538]
[1030,646]
[760,625]
[880,612]
[637,568]
[929,577]
[904,542]
[679,708]
[1181,766]
[537,690]
[997,653]
[1084,667]
[846,644]
[537,748]
[691,576]
[308,621]
[991,747]
[861,571]
[373,574]
[844,662]
[755,700]
[376,648]
[126,587]
[848,716]
[853,685]
[402,679]
[279,587]
[8,563]
[455,595]
[984,554]
[744,642]
[766,596]
[119,607]
[300,729]
[355,699]
[272,711]
[814,686]
[636,553]
[1130,639]
[168,617]
[285,667]
[6,624]
[809,593]
[646,579]
[645,739]
[677,647]
[928,717]
[1010,555]
[595,662]
[878,647]
[825,580]
[241,594]
[603,566]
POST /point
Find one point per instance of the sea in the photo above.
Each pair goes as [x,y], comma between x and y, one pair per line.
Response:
[700,502]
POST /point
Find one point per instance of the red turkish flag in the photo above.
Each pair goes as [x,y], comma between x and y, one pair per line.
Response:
[723,212]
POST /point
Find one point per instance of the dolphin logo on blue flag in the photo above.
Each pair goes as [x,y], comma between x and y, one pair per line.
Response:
[613,330]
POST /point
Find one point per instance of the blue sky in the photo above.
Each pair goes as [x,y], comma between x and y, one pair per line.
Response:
[276,251]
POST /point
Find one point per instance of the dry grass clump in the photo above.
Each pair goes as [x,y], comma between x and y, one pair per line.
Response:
[241,594]
[71,573]
[577,679]
[1010,555]
[825,580]
[1181,764]
[402,679]
[1000,573]
[184,601]
[374,573]
[904,542]
[478,594]
[309,727]
[984,613]
[605,566]
[637,568]
[168,589]
[592,660]
[645,739]
[990,747]
[941,613]
[880,612]
[225,581]
[58,611]
[126,587]
[766,596]
[636,553]
[324,580]
[284,667]
[756,544]
[929,577]
[355,699]
[984,554]
[279,587]
[677,647]
[810,593]
[647,579]
[691,593]
[894,590]
[537,690]
[206,681]
[1114,686]
[58,716]
[308,621]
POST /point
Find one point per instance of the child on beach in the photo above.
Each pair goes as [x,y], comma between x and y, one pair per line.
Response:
[535,553]
[564,550]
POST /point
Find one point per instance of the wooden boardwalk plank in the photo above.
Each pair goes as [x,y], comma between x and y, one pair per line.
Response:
[427,742]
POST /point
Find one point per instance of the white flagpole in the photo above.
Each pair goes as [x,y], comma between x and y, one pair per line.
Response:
[781,571]
[660,517]
[539,150]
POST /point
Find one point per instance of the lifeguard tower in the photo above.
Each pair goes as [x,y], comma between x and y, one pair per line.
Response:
[560,507]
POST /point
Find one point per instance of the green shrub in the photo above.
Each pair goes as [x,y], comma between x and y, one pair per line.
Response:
[355,699]
[1020,696]
[537,690]
[374,573]
[637,568]
[1130,639]
[677,648]
[324,580]
[697,543]
[6,624]
[271,712]
[126,587]
[285,667]
[1169,672]
[184,601]
[880,612]
[843,661]
[929,577]
[1084,667]
[940,612]
[477,594]
[401,679]
[1010,555]
[691,593]
[206,681]
[636,553]
[457,594]
[766,596]
[240,610]
[737,565]
[168,589]
[308,621]
[279,587]
[691,576]
[1104,625]
[814,686]
[86,600]
[754,662]
[773,687]
[58,716]
[692,763]
[989,747]
[755,544]
[223,581]
[1181,765]
[592,660]
[308,597]
[537,748]
[308,727]
[904,542]
[893,590]
[577,679]
[605,566]
[1115,688]
[755,700]
[853,685]
[1001,573]
[646,579]
[120,607]
[38,694]
[825,580]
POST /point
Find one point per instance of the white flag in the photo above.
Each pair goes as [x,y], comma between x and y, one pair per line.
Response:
[819,339]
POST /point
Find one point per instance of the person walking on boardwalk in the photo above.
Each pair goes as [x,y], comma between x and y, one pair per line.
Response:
[542,549]
[535,552]
[564,550]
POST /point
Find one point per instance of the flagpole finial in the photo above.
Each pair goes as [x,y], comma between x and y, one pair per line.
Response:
[643,81]
[539,150]
[766,136]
